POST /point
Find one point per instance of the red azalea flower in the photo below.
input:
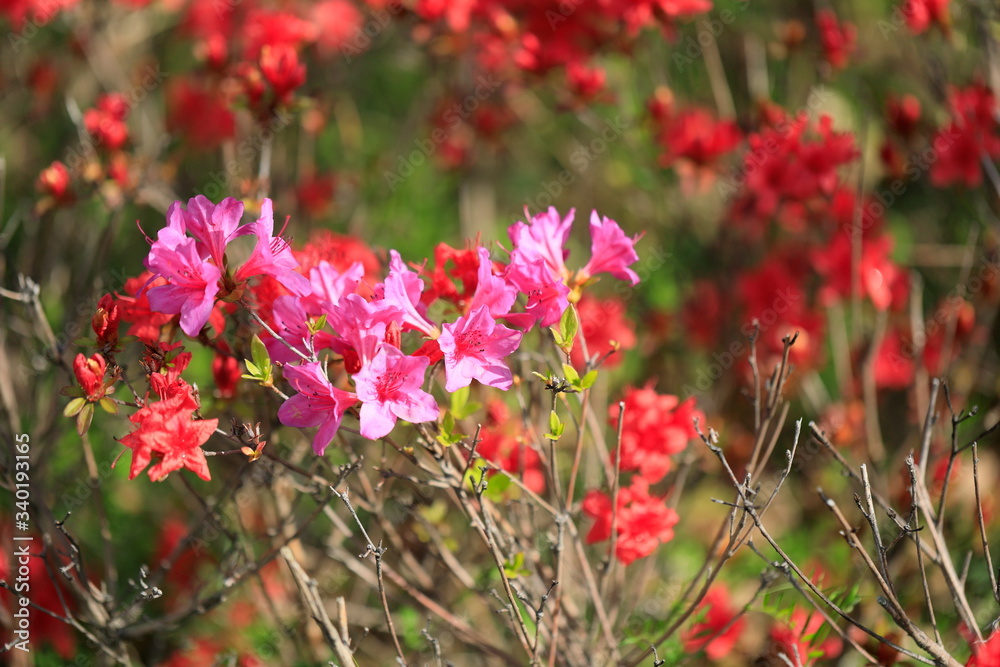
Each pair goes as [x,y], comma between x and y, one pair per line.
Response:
[903,115]
[183,574]
[90,374]
[838,39]
[341,251]
[788,170]
[987,653]
[656,427]
[967,139]
[894,363]
[54,181]
[227,373]
[704,635]
[452,267]
[167,429]
[922,14]
[315,194]
[106,122]
[280,66]
[703,313]
[105,322]
[275,28]
[200,113]
[503,445]
[605,328]
[135,308]
[643,521]
[799,632]
[773,294]
[882,281]
[585,82]
[696,141]
[338,25]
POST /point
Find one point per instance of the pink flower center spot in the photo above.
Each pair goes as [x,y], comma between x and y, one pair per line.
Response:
[470,341]
[388,385]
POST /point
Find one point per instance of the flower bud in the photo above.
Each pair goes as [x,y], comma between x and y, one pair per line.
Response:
[105,321]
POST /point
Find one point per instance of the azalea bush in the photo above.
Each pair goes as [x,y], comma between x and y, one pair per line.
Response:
[576,333]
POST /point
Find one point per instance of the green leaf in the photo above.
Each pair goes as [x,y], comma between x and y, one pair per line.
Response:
[569,325]
[500,488]
[109,406]
[459,398]
[84,418]
[73,407]
[315,326]
[570,373]
[461,407]
[252,367]
[515,568]
[556,427]
[554,421]
[588,380]
[448,437]
[261,358]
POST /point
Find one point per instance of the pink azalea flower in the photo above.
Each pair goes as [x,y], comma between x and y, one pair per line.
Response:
[547,298]
[402,289]
[329,285]
[474,348]
[213,225]
[192,282]
[361,325]
[389,388]
[272,256]
[610,250]
[318,403]
[289,321]
[498,294]
[544,238]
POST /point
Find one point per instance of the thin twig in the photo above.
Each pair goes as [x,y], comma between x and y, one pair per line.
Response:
[982,524]
[376,551]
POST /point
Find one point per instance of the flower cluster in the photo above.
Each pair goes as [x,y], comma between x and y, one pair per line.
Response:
[797,639]
[655,427]
[642,521]
[377,340]
[718,630]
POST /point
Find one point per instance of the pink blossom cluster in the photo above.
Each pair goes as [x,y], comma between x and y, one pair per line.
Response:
[380,337]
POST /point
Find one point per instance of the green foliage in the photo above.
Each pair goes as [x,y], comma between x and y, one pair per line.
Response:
[260,368]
